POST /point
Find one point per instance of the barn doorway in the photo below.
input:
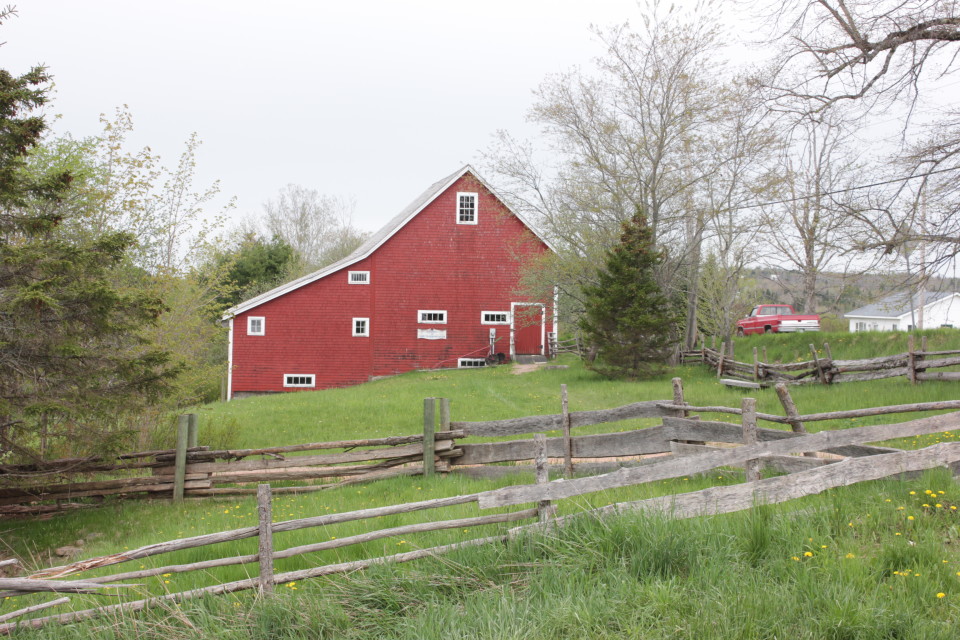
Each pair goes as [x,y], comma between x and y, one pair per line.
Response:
[528,326]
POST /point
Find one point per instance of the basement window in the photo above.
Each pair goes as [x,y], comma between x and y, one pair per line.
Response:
[358,277]
[494,317]
[466,208]
[432,317]
[471,363]
[256,326]
[299,380]
[361,327]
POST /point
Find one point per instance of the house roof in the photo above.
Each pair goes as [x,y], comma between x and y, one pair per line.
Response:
[375,240]
[896,305]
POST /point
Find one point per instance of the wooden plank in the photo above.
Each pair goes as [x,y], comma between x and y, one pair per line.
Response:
[249,532]
[781,464]
[936,364]
[533,424]
[163,487]
[939,375]
[32,585]
[65,488]
[796,425]
[32,609]
[672,468]
[844,473]
[320,459]
[865,377]
[242,585]
[585,468]
[627,443]
[265,539]
[710,431]
[818,366]
[730,382]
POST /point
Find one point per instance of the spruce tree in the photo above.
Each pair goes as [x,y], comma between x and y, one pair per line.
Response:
[71,359]
[628,320]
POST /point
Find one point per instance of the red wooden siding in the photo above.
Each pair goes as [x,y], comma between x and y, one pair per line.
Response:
[432,263]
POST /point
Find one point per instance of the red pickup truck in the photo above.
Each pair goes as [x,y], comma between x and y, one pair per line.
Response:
[776,318]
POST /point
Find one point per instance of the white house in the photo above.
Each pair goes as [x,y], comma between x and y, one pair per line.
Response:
[893,313]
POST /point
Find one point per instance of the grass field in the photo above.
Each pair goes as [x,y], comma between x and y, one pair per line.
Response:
[743,575]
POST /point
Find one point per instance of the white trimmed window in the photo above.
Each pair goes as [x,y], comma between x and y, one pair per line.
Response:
[471,363]
[432,316]
[494,317]
[358,277]
[432,334]
[361,327]
[256,326]
[466,208]
[299,380]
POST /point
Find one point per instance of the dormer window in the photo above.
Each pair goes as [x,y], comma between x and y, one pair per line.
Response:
[466,208]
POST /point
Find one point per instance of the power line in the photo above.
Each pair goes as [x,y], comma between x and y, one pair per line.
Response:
[846,190]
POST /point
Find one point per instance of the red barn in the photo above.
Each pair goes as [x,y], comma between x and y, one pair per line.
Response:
[432,289]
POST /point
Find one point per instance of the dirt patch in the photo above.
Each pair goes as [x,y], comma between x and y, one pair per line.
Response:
[519,369]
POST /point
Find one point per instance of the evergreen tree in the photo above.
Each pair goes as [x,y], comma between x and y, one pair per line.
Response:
[628,320]
[71,360]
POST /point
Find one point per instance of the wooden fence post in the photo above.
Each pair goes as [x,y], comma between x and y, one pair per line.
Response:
[192,430]
[765,354]
[816,363]
[567,442]
[749,408]
[429,431]
[723,351]
[180,461]
[678,397]
[545,511]
[265,547]
[733,354]
[911,360]
[756,365]
[791,410]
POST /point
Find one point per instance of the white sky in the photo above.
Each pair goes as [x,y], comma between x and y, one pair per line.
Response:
[373,100]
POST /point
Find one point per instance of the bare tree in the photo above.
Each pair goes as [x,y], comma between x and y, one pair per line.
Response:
[810,228]
[316,225]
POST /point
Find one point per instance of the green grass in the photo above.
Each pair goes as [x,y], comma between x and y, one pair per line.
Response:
[728,576]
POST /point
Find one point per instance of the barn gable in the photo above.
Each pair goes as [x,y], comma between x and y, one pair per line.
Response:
[430,289]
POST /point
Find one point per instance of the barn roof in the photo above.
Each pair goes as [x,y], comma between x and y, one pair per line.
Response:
[375,240]
[896,305]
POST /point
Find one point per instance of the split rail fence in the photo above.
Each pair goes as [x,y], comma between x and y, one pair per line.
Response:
[915,365]
[839,458]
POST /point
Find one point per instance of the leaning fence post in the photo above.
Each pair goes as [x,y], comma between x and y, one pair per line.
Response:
[749,408]
[816,363]
[545,511]
[180,461]
[792,413]
[567,443]
[429,431]
[265,531]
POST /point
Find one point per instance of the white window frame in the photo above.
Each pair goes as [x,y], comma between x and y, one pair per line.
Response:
[483,317]
[366,328]
[263,326]
[300,385]
[476,206]
[364,275]
[471,363]
[431,334]
[422,312]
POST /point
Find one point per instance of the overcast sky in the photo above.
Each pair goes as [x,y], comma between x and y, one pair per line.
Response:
[373,100]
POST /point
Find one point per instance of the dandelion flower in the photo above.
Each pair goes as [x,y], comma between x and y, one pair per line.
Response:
[941,595]
[807,554]
[849,556]
[909,517]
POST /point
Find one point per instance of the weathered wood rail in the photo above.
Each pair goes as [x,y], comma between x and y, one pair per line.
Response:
[854,460]
[915,365]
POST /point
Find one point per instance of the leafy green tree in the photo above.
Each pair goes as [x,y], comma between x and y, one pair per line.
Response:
[71,353]
[628,320]
[252,266]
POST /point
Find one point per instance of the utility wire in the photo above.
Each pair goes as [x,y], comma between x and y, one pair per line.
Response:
[846,190]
